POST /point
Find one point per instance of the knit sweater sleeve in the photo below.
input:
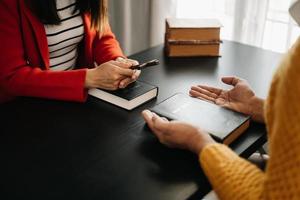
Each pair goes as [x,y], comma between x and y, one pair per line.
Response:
[235,178]
[231,176]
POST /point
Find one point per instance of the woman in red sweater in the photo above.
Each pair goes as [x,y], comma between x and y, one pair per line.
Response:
[59,49]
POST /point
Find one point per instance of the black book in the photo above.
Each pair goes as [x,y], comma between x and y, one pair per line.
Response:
[224,125]
[128,98]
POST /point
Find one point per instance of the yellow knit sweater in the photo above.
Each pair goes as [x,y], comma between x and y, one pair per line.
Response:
[235,178]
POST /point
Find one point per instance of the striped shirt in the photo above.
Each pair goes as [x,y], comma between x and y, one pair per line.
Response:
[63,39]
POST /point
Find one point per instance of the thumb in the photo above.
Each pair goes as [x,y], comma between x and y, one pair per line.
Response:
[231,80]
[160,124]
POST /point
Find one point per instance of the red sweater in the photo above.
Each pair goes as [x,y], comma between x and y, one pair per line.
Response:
[24,57]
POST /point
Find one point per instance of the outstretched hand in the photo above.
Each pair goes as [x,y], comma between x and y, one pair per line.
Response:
[240,98]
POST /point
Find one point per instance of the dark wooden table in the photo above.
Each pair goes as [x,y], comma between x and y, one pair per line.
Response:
[62,150]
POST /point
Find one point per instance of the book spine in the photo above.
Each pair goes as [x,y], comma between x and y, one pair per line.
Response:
[192,42]
[193,50]
[186,42]
[194,34]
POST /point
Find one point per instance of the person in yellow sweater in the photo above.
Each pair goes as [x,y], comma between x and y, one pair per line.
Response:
[232,177]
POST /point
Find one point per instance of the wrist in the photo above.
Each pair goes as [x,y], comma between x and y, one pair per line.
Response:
[89,79]
[257,109]
[200,141]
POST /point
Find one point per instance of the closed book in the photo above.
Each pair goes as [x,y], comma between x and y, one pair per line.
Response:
[192,37]
[129,98]
[222,124]
[193,50]
[193,29]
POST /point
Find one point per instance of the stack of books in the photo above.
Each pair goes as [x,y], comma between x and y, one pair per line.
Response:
[192,37]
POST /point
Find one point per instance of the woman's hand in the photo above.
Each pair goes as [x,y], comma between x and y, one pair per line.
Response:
[240,98]
[177,134]
[109,75]
[124,83]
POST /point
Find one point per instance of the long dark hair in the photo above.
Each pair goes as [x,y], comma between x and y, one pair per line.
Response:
[46,11]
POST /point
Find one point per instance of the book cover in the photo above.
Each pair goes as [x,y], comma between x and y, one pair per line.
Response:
[193,23]
[193,29]
[128,98]
[224,125]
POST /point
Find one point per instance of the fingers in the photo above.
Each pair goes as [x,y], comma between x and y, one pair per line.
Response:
[156,122]
[126,72]
[124,65]
[161,124]
[204,91]
[214,90]
[165,119]
[114,75]
[127,61]
[124,83]
[110,87]
[231,80]
[136,74]
[150,119]
[120,59]
[201,96]
[147,115]
[123,69]
[132,62]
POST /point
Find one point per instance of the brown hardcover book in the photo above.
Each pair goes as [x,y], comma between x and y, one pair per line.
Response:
[192,50]
[193,29]
[192,37]
[222,124]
